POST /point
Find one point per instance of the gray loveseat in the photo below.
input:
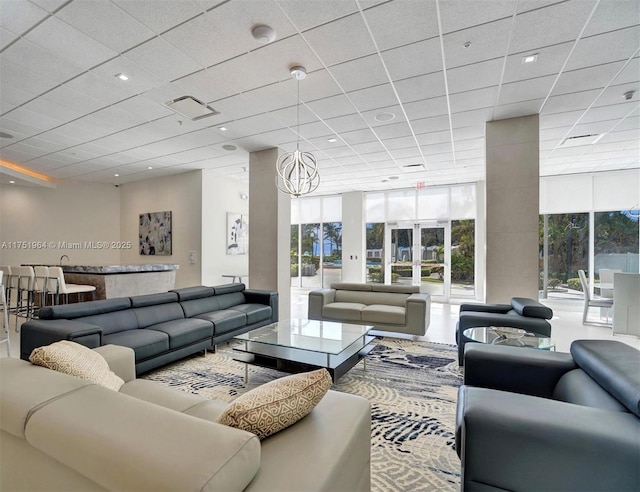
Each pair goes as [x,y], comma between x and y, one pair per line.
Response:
[537,420]
[522,312]
[160,328]
[63,433]
[396,308]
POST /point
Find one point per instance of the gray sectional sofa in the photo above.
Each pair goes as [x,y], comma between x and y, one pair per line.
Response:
[160,328]
[394,308]
[60,433]
[537,420]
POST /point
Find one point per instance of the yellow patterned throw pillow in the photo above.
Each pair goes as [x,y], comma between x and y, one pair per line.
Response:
[76,360]
[277,404]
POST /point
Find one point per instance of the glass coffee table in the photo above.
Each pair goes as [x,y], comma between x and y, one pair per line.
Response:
[492,335]
[300,345]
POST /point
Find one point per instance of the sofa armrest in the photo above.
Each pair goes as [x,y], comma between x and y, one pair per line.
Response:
[267,297]
[486,308]
[121,360]
[517,442]
[38,333]
[418,313]
[317,299]
[515,369]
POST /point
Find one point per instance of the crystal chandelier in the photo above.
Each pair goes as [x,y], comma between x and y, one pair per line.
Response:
[297,171]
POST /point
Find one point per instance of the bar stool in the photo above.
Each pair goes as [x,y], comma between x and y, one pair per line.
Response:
[22,280]
[57,286]
[5,315]
[40,283]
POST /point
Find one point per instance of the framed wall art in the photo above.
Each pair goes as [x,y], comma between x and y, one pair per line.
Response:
[155,233]
[237,233]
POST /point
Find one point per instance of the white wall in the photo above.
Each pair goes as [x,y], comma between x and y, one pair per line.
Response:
[72,213]
[182,195]
[219,196]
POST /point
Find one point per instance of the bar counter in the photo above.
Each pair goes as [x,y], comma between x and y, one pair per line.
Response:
[123,280]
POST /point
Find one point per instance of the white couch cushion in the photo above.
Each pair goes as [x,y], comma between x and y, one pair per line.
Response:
[344,311]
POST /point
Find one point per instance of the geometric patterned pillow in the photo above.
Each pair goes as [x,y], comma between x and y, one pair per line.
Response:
[277,404]
[76,360]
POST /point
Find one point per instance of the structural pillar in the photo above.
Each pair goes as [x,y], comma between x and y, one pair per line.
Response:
[353,238]
[512,208]
[269,230]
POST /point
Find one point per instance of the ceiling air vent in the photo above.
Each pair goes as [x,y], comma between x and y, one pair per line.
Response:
[412,168]
[191,108]
[579,140]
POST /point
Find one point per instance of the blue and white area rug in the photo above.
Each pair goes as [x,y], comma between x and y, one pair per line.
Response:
[412,387]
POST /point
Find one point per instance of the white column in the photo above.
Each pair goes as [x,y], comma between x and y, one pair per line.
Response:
[353,237]
[512,208]
[269,230]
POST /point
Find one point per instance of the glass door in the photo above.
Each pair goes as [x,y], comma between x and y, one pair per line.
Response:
[418,255]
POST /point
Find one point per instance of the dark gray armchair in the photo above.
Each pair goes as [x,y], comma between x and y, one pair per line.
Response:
[522,312]
[532,420]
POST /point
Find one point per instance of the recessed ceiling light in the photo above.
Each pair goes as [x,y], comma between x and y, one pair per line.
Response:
[263,34]
[386,116]
[530,58]
[332,140]
[149,167]
[12,182]
[222,128]
[229,147]
[116,175]
[123,76]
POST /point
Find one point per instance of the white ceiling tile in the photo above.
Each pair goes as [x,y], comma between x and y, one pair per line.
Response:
[513,110]
[570,102]
[488,41]
[421,87]
[373,97]
[610,16]
[99,88]
[17,17]
[347,123]
[476,76]
[614,95]
[72,100]
[468,132]
[106,23]
[312,13]
[160,15]
[587,78]
[139,81]
[460,14]
[67,42]
[359,73]
[562,22]
[37,120]
[207,86]
[394,130]
[60,114]
[6,37]
[358,136]
[537,88]
[426,108]
[413,60]
[342,40]
[474,117]
[36,59]
[317,85]
[550,61]
[162,59]
[471,100]
[49,5]
[144,109]
[398,23]
[28,83]
[605,48]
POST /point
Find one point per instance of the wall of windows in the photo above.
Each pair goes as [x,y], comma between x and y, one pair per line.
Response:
[316,241]
[588,222]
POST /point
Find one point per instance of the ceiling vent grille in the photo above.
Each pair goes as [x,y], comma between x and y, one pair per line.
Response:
[579,140]
[191,108]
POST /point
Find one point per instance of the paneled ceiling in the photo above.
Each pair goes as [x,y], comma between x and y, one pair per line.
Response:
[395,89]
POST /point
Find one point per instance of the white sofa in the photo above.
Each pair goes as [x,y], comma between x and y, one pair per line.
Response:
[63,433]
[394,308]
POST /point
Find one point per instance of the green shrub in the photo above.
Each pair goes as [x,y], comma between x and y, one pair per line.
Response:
[553,282]
[574,283]
[294,270]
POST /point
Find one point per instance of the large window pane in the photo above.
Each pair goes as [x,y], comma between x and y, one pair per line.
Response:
[331,253]
[568,252]
[433,203]
[463,252]
[616,241]
[310,255]
[402,205]
[295,256]
[375,252]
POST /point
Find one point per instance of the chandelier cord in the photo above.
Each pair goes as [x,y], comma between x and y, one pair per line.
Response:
[298,116]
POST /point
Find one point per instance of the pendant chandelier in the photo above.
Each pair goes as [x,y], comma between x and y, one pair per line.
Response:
[297,171]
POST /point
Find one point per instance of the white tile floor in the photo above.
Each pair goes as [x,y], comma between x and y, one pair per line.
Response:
[566,323]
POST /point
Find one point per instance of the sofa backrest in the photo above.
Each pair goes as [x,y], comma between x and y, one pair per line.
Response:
[160,313]
[613,365]
[393,295]
[84,309]
[530,308]
[153,299]
[113,322]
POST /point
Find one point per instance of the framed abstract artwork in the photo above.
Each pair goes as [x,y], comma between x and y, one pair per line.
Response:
[237,233]
[155,233]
